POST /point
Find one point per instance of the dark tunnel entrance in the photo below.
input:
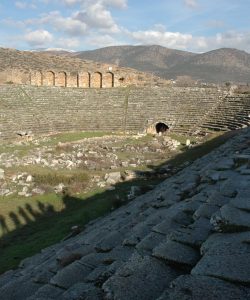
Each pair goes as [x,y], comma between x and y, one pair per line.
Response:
[161,127]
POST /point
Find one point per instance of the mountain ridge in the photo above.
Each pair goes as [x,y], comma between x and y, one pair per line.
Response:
[215,66]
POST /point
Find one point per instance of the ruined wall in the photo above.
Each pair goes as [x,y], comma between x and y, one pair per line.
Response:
[49,109]
[102,78]
[15,76]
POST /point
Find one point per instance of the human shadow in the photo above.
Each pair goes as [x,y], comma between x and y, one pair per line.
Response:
[41,224]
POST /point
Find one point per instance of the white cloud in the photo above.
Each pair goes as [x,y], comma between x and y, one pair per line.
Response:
[97,16]
[189,42]
[164,38]
[191,3]
[232,39]
[68,25]
[38,38]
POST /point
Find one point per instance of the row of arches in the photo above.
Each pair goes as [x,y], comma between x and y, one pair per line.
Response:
[83,79]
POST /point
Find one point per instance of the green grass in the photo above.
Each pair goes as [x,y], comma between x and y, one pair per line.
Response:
[37,222]
[51,219]
[209,143]
[25,146]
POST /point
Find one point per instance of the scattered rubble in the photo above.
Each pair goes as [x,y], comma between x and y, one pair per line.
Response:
[105,155]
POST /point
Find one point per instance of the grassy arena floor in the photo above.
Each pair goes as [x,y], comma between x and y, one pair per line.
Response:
[31,224]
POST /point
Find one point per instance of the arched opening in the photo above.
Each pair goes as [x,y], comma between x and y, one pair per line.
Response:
[61,79]
[96,80]
[161,127]
[36,78]
[49,78]
[84,80]
[108,80]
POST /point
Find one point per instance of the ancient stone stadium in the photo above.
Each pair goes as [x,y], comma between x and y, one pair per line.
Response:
[186,238]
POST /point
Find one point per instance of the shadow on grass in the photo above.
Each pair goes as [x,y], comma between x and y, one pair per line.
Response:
[39,224]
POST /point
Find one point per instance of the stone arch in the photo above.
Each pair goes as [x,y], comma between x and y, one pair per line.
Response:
[156,127]
[83,80]
[96,80]
[61,79]
[161,127]
[108,80]
[49,78]
[36,78]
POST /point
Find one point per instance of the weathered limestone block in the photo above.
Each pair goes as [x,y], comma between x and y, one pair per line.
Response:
[43,276]
[48,291]
[193,235]
[109,242]
[6,277]
[224,164]
[82,291]
[235,184]
[70,275]
[224,266]
[223,241]
[188,287]
[143,277]
[11,291]
[138,233]
[70,253]
[231,219]
[242,203]
[150,241]
[177,253]
[206,210]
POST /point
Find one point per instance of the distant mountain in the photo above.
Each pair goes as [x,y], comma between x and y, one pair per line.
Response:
[216,66]
[220,65]
[154,58]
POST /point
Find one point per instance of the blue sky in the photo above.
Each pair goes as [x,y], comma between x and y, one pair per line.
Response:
[192,25]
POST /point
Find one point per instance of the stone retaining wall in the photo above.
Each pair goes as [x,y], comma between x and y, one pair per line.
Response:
[49,109]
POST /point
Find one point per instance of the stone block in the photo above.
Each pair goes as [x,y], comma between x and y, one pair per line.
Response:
[176,253]
[188,287]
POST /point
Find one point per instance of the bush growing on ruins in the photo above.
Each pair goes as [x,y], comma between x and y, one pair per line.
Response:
[56,177]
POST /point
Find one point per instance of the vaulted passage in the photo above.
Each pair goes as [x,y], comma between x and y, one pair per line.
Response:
[96,80]
[161,127]
[61,79]
[84,80]
[49,78]
[108,80]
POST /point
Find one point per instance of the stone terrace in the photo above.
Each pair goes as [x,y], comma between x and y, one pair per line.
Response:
[49,109]
[189,238]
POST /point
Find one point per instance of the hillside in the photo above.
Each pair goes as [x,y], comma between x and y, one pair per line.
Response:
[220,65]
[216,66]
[17,66]
[154,58]
[27,60]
